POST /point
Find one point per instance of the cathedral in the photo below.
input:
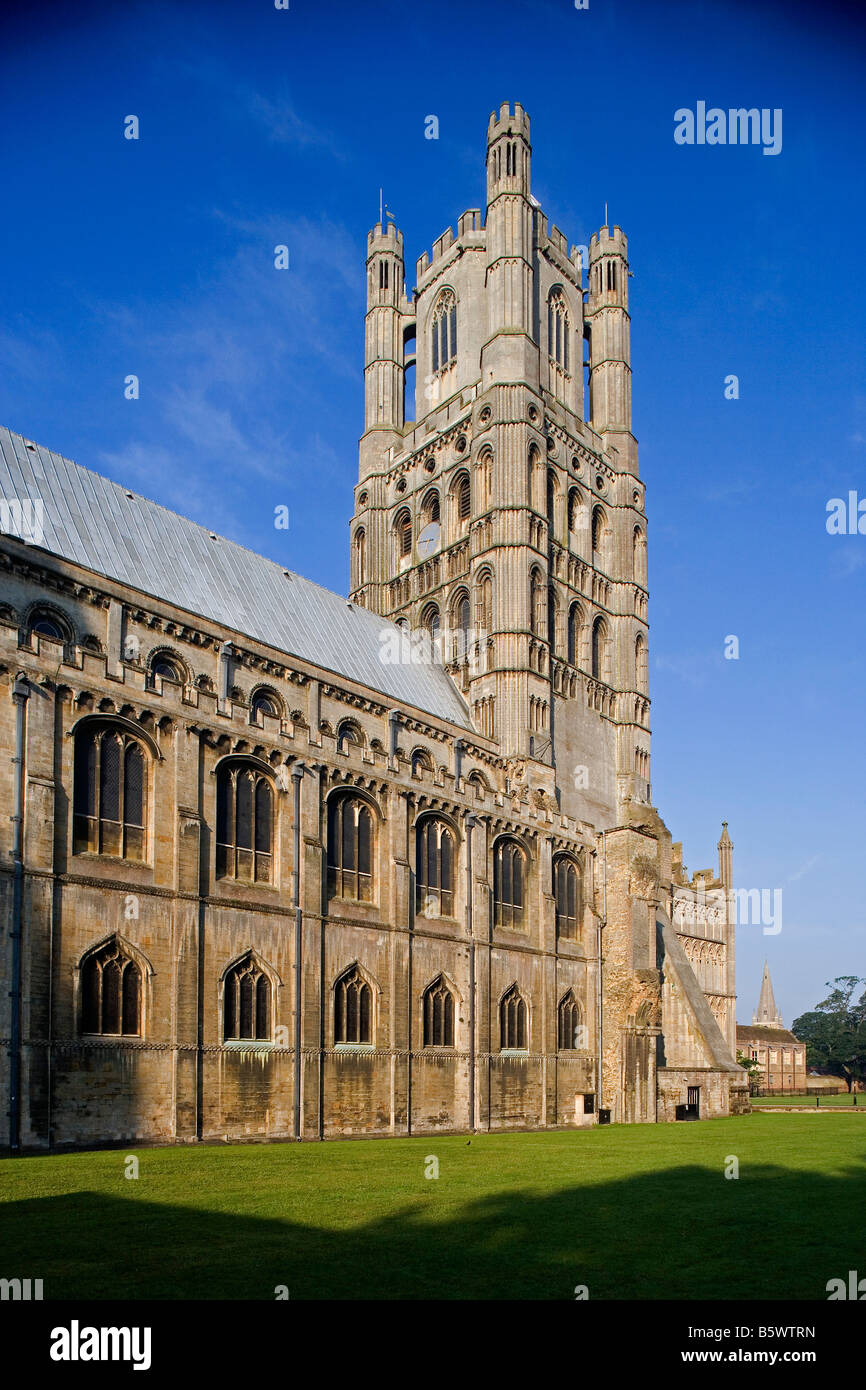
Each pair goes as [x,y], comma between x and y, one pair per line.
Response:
[282,864]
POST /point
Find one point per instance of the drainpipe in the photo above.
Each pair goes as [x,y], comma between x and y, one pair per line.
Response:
[20,694]
[471,822]
[298,770]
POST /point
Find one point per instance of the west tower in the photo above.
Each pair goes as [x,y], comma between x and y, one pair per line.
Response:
[506,520]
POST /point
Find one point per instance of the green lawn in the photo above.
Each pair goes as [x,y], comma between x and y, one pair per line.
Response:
[640,1212]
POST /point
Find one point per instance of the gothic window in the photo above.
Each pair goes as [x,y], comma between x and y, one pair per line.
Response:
[599,646]
[167,667]
[477,782]
[247,1002]
[383,275]
[484,593]
[461,619]
[353,1008]
[512,1021]
[349,736]
[245,823]
[575,623]
[551,504]
[639,555]
[640,664]
[430,623]
[462,498]
[444,331]
[434,869]
[574,510]
[597,532]
[484,479]
[570,1026]
[438,1013]
[536,602]
[360,557]
[557,329]
[509,874]
[110,992]
[110,793]
[403,529]
[263,703]
[566,893]
[350,848]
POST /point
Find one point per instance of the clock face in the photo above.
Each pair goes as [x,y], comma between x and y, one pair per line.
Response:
[428,540]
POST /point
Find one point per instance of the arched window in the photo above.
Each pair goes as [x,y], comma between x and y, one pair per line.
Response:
[263,703]
[484,603]
[597,532]
[557,329]
[641,672]
[167,667]
[247,1002]
[478,783]
[438,1012]
[353,1008]
[421,762]
[461,620]
[575,625]
[444,331]
[551,502]
[462,498]
[245,823]
[434,869]
[348,736]
[110,992]
[574,510]
[566,893]
[48,623]
[430,624]
[360,557]
[403,532]
[110,793]
[509,874]
[570,1024]
[350,848]
[512,1021]
[639,555]
[430,506]
[536,602]
[599,652]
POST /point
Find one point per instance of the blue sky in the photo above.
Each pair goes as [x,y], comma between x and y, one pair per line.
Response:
[260,127]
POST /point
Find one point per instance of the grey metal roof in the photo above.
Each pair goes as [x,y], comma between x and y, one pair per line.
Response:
[96,523]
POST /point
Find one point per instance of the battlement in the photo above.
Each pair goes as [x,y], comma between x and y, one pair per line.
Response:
[388,239]
[559,240]
[608,242]
[471,221]
[505,123]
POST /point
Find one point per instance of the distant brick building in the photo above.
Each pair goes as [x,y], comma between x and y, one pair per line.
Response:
[780,1056]
[286,864]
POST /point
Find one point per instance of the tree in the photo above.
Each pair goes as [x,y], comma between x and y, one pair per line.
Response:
[752,1067]
[835,1031]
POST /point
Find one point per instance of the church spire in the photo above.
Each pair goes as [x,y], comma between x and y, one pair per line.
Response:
[766,1013]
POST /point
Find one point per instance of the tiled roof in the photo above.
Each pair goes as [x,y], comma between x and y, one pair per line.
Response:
[757,1032]
[116,533]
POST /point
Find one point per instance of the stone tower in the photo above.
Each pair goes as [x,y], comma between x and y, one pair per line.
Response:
[505,523]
